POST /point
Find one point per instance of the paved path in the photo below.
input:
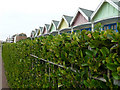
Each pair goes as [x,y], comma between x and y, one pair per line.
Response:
[3,81]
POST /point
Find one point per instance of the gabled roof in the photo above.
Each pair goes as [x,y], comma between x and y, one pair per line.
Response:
[46,26]
[85,12]
[37,32]
[88,13]
[22,34]
[114,3]
[41,28]
[14,35]
[67,20]
[33,31]
[117,2]
[55,23]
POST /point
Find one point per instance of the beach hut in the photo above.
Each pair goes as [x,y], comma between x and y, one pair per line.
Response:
[108,14]
[64,24]
[53,26]
[81,19]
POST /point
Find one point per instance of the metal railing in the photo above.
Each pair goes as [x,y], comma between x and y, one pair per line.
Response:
[115,82]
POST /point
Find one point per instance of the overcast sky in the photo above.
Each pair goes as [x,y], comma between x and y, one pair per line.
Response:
[23,16]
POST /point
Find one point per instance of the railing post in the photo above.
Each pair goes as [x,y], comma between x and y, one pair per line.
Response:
[108,73]
[49,72]
[53,77]
[71,30]
[92,27]
[58,32]
[56,79]
[45,67]
[72,65]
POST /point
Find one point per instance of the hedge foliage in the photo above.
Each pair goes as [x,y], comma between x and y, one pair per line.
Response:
[91,54]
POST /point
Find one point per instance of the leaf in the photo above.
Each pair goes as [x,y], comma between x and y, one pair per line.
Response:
[118,59]
[75,37]
[84,64]
[104,51]
[89,53]
[86,37]
[86,83]
[86,43]
[114,47]
[81,53]
[118,69]
[115,75]
[82,74]
[92,46]
[103,61]
[94,83]
[105,77]
[65,54]
[109,36]
[95,35]
[62,71]
[64,63]
[114,40]
[112,66]
[83,32]
[94,52]
[118,26]
[57,55]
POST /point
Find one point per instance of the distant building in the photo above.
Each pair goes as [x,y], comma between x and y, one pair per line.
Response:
[18,37]
[9,40]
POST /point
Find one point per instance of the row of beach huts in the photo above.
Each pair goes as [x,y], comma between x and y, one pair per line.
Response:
[107,13]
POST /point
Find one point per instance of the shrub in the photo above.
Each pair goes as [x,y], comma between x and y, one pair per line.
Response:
[90,54]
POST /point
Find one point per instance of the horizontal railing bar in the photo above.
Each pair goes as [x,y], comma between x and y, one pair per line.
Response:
[101,79]
[62,66]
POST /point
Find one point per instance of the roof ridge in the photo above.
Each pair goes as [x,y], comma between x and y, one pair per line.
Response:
[55,23]
[67,16]
[87,12]
[55,20]
[40,27]
[86,9]
[47,24]
[116,2]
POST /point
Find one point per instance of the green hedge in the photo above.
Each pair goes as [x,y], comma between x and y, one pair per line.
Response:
[91,54]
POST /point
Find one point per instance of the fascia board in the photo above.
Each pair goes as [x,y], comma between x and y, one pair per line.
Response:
[113,4]
[84,14]
[50,26]
[59,23]
[94,13]
[74,17]
[66,21]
